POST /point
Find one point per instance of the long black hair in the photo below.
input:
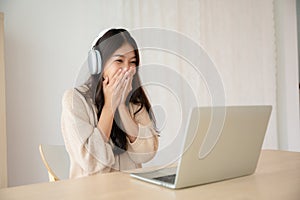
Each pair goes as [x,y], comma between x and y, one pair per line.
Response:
[112,40]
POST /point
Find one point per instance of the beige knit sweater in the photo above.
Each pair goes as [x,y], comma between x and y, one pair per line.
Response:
[88,151]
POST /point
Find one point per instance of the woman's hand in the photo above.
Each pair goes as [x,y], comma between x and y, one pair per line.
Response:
[128,123]
[128,84]
[114,89]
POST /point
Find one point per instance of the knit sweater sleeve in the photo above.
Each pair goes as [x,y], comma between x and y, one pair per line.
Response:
[84,142]
[144,148]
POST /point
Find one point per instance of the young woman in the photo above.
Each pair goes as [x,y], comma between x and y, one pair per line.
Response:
[106,125]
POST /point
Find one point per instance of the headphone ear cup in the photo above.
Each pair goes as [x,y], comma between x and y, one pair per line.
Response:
[99,62]
[94,62]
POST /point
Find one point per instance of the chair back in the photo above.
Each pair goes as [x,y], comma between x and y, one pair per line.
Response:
[56,160]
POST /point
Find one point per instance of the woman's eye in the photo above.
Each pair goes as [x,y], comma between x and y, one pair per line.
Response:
[119,61]
[133,62]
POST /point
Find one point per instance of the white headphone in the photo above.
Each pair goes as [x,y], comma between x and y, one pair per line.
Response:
[94,56]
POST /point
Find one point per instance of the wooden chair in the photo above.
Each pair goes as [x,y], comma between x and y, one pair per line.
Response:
[56,160]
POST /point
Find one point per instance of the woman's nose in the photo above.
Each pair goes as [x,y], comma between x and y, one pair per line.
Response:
[126,66]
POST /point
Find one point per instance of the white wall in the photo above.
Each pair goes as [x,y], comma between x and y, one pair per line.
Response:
[239,35]
[287,75]
[46,43]
[3,147]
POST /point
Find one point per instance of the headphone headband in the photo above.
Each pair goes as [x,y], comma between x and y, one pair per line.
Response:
[102,33]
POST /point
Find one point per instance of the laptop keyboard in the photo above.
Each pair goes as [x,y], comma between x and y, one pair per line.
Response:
[167,179]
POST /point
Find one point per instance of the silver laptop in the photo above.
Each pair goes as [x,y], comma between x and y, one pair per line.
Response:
[220,143]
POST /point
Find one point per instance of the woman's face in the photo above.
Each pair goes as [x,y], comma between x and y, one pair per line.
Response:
[123,58]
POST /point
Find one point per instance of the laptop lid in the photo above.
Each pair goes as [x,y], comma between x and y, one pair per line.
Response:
[222,143]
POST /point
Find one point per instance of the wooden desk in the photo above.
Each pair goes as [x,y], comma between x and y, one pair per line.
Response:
[277,177]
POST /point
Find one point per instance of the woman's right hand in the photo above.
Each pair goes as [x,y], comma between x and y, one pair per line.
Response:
[113,89]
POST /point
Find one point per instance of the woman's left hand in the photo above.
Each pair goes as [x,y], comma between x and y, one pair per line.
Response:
[129,125]
[128,84]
